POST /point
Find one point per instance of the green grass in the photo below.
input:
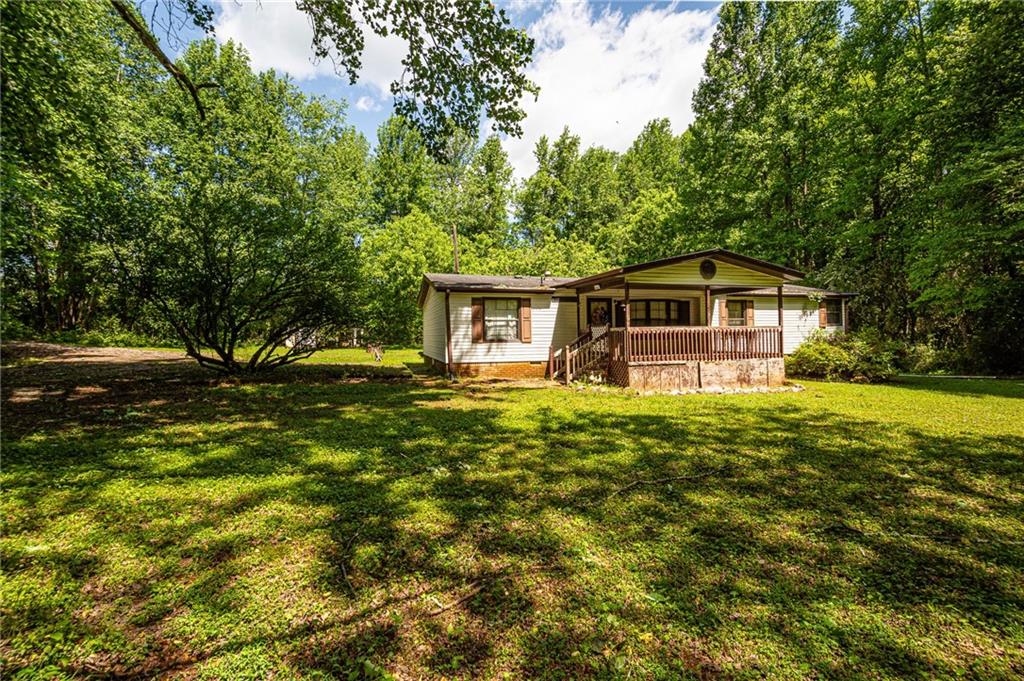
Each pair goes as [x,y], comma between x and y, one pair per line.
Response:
[393,357]
[323,528]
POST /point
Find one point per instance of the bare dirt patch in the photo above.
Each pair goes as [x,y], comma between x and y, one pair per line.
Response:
[47,385]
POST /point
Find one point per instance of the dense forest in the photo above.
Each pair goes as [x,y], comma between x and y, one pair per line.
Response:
[877,146]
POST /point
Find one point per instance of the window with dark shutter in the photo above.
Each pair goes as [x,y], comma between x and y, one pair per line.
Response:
[525,320]
[501,319]
[478,320]
[834,312]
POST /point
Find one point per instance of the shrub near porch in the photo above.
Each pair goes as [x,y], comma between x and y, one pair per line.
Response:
[314,530]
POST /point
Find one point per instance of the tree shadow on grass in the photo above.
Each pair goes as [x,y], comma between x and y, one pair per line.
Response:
[342,527]
[1003,387]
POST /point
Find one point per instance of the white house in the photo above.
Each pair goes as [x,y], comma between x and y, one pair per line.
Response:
[695,320]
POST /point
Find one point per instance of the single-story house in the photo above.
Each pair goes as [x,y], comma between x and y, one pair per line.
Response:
[703,319]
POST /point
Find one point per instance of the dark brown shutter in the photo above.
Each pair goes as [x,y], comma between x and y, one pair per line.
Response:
[478,320]
[525,321]
[723,312]
[822,314]
[749,305]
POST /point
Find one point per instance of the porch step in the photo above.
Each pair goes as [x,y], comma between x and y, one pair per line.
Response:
[588,359]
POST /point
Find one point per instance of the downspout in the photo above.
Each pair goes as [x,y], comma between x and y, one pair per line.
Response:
[448,336]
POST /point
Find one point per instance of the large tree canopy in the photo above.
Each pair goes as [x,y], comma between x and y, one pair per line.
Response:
[251,235]
[462,59]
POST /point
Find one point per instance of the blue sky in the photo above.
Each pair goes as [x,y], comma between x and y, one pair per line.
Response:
[604,69]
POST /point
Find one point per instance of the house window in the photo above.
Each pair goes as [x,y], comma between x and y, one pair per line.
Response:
[638,313]
[659,312]
[501,319]
[834,312]
[737,312]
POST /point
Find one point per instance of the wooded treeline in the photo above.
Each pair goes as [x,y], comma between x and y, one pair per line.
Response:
[877,146]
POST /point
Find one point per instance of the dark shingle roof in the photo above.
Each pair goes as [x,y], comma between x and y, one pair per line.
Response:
[484,283]
[442,281]
[794,290]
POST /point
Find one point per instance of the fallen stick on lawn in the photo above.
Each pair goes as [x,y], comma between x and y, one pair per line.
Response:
[477,588]
[662,481]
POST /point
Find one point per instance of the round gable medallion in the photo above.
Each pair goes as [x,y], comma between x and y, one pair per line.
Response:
[708,269]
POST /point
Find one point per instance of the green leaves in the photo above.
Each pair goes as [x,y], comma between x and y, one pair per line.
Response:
[462,59]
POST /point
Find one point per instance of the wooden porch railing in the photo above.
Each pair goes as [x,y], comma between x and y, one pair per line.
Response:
[582,354]
[558,357]
[680,343]
[618,369]
[661,344]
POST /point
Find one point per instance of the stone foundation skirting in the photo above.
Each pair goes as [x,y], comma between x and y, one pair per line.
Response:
[697,374]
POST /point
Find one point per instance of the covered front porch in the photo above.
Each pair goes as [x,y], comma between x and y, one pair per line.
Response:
[679,324]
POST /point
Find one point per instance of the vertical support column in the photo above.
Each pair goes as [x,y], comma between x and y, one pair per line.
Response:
[782,337]
[577,313]
[707,305]
[448,335]
[625,306]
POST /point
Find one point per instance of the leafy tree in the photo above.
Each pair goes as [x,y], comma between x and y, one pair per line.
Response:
[403,174]
[646,230]
[594,195]
[393,262]
[544,206]
[966,257]
[651,162]
[568,257]
[756,141]
[74,99]
[462,58]
[486,194]
[248,242]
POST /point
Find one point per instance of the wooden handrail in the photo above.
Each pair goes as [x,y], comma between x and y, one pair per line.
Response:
[650,345]
[584,353]
[564,362]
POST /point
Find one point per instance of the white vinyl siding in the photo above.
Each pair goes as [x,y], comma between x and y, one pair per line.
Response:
[799,319]
[689,273]
[433,325]
[553,323]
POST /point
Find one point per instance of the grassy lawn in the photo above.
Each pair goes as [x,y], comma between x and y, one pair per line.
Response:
[311,526]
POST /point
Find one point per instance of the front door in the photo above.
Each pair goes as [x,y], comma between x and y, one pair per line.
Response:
[598,311]
[620,314]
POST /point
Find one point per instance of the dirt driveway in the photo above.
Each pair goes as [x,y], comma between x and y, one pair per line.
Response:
[46,384]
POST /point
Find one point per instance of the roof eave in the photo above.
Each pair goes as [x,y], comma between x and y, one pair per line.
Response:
[738,259]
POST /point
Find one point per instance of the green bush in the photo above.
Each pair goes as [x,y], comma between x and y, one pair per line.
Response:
[925,358]
[110,332]
[11,328]
[863,357]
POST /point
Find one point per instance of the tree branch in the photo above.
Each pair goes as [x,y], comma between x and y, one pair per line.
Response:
[183,81]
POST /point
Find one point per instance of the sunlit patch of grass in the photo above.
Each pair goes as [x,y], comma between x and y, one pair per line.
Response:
[319,529]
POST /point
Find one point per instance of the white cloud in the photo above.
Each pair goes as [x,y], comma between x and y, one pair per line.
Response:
[605,75]
[366,103]
[278,36]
